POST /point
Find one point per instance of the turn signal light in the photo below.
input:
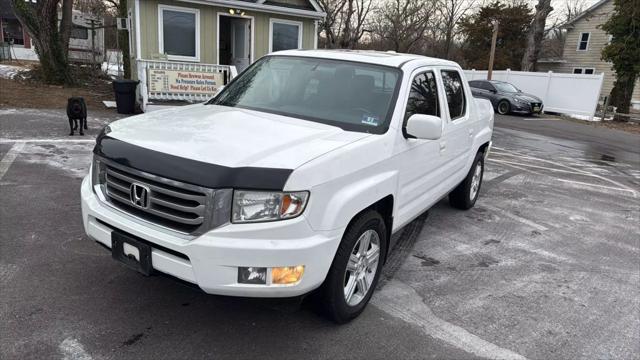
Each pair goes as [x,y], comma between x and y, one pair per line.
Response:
[287,275]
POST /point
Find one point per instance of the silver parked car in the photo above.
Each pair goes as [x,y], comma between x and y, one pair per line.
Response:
[505,97]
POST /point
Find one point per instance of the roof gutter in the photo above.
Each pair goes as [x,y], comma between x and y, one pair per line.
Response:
[261,7]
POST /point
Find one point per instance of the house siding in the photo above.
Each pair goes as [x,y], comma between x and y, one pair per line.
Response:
[208,28]
[592,57]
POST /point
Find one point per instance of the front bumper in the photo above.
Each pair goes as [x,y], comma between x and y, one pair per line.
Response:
[526,108]
[211,260]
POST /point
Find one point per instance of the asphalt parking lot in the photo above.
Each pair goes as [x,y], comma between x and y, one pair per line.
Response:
[546,266]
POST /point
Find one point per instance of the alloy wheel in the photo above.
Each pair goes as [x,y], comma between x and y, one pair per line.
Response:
[361,267]
[475,181]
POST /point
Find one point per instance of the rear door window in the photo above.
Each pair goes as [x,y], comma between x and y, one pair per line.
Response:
[454,90]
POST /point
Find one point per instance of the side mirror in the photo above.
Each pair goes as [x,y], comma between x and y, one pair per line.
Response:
[426,127]
[493,91]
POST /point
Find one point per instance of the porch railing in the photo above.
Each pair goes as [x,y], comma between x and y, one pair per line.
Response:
[228,72]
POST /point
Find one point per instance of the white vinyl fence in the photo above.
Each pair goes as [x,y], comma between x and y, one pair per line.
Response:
[562,93]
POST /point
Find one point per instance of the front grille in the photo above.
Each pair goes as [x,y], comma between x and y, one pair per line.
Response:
[171,204]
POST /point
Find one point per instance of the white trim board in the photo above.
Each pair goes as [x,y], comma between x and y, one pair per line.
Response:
[138,34]
[244,5]
[194,11]
[315,34]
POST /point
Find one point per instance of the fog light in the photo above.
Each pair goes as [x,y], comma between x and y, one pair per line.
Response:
[287,274]
[252,275]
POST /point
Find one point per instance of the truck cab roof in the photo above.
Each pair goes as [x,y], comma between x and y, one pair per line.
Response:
[387,58]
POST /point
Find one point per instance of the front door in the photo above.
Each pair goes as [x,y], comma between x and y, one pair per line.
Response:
[421,162]
[240,43]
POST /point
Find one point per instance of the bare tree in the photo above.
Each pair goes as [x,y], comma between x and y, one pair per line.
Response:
[66,23]
[450,12]
[572,8]
[535,35]
[554,37]
[119,9]
[50,38]
[344,25]
[403,24]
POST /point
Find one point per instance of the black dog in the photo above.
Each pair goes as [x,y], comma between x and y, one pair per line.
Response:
[77,110]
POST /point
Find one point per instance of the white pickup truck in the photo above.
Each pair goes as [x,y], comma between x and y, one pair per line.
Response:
[291,179]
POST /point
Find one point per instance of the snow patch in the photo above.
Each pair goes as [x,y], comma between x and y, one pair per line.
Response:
[584,117]
[10,71]
[72,158]
[8,111]
[72,349]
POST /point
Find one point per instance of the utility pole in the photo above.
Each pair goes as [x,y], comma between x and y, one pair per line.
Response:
[93,26]
[495,24]
[93,23]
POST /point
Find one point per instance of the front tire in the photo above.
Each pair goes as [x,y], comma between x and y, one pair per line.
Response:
[356,268]
[464,196]
[504,107]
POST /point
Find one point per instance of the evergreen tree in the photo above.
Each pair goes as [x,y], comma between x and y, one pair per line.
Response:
[512,35]
[624,50]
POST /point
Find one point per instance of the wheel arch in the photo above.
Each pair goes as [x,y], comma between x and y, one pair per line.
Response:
[508,100]
[483,148]
[384,207]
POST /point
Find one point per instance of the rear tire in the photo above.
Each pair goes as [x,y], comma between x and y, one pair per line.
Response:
[504,107]
[353,271]
[464,196]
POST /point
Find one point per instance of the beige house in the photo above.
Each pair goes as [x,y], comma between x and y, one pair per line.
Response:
[184,49]
[583,46]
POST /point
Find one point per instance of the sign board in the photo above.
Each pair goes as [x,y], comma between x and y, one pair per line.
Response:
[184,82]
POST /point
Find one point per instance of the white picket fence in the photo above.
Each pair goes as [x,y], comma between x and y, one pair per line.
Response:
[145,94]
[562,93]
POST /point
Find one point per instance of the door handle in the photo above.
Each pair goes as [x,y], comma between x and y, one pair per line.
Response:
[470,132]
[443,146]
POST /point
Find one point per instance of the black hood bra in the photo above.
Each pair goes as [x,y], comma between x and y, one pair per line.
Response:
[187,170]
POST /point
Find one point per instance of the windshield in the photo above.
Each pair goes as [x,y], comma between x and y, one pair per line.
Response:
[505,87]
[353,96]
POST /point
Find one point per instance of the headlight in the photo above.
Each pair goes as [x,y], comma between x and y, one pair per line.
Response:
[256,206]
[97,172]
[104,132]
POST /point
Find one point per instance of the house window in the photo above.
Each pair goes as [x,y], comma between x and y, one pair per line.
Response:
[12,32]
[179,30]
[284,35]
[583,43]
[586,71]
[79,32]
